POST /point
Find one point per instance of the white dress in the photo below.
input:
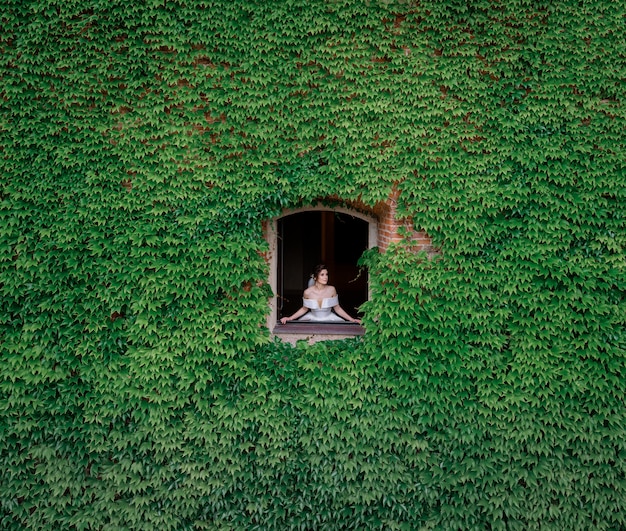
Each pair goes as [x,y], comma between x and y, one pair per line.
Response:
[323,314]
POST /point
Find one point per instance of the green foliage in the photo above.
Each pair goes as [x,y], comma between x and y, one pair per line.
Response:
[142,146]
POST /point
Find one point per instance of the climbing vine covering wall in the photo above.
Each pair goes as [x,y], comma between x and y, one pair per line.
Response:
[142,145]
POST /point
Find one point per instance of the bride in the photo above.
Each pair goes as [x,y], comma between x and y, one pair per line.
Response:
[319,301]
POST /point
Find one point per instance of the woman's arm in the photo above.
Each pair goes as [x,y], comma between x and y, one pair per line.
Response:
[299,313]
[344,315]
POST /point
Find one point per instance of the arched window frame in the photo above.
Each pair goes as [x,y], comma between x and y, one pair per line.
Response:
[271,235]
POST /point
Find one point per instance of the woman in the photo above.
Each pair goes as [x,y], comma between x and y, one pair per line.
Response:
[319,300]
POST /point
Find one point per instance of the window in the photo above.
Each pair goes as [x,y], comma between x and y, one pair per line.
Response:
[302,238]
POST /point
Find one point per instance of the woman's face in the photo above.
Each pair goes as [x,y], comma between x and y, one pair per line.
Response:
[322,276]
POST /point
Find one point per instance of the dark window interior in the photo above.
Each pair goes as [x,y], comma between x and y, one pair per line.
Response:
[308,238]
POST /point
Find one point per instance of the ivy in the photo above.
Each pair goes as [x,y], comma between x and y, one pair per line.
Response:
[144,144]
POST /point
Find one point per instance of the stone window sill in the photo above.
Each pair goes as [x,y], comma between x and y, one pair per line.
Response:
[313,332]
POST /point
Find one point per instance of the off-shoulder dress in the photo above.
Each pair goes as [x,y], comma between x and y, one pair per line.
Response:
[321,314]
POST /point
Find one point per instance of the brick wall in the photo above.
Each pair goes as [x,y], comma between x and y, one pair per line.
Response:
[392,229]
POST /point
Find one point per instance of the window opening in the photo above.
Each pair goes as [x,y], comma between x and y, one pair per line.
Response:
[333,238]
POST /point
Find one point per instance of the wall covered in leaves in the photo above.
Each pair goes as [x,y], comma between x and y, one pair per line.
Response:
[142,145]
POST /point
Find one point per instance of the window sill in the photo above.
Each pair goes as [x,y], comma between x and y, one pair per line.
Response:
[313,332]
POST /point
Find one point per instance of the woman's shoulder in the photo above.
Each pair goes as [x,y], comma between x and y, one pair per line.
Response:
[308,293]
[330,292]
[327,292]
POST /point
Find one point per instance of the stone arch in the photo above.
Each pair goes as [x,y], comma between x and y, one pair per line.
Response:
[271,236]
[384,228]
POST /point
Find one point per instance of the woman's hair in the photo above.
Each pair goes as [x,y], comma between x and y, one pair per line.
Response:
[317,270]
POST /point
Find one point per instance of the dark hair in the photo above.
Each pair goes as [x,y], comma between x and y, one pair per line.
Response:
[317,270]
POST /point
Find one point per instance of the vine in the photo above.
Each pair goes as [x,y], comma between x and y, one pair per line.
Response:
[142,147]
